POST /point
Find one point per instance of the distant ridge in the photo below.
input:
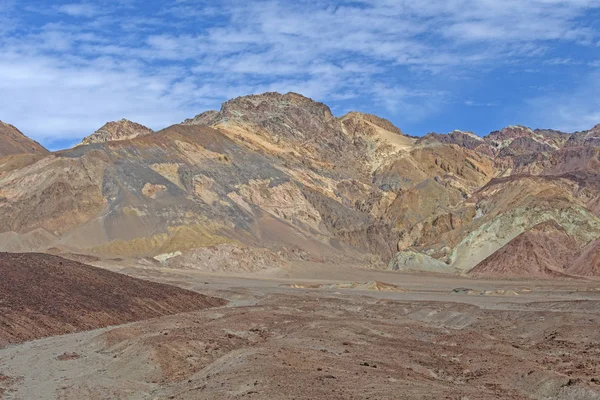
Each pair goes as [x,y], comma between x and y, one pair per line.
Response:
[13,141]
[117,130]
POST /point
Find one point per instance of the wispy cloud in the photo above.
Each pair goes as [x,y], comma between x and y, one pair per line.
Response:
[472,103]
[574,109]
[86,10]
[160,64]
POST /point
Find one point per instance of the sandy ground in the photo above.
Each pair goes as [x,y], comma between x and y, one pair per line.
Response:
[351,334]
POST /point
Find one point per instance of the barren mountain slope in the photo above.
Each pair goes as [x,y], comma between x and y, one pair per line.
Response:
[191,186]
[279,177]
[12,141]
[543,251]
[430,179]
[587,138]
[496,214]
[588,262]
[506,136]
[467,140]
[44,295]
[300,130]
[580,165]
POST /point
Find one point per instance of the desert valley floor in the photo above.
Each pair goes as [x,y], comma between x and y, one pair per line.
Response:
[352,334]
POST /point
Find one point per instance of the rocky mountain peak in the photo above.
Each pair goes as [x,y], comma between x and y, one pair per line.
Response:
[123,129]
[373,120]
[589,138]
[520,140]
[279,171]
[206,118]
[260,108]
[510,133]
[469,134]
[13,141]
[290,121]
[273,105]
[468,140]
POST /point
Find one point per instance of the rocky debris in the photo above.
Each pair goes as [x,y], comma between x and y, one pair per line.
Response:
[66,356]
[493,344]
[229,258]
[7,384]
[377,286]
[13,141]
[543,251]
[44,295]
[116,130]
[151,190]
[588,262]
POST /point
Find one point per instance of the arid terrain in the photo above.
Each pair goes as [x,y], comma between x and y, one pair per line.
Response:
[287,253]
[43,295]
[277,178]
[353,333]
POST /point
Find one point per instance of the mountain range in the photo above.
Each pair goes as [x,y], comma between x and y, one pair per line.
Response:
[274,177]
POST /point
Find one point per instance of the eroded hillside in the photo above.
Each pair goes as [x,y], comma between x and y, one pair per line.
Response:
[279,177]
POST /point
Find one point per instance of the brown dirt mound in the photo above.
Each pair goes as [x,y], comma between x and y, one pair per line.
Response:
[44,295]
[544,251]
[588,263]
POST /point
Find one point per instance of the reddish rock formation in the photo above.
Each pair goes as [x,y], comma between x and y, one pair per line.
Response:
[543,251]
[588,263]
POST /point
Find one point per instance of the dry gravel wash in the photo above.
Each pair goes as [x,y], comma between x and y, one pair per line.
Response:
[523,340]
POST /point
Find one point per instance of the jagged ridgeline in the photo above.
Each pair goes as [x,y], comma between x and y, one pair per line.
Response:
[277,177]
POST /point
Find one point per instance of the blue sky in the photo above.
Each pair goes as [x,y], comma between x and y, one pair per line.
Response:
[67,67]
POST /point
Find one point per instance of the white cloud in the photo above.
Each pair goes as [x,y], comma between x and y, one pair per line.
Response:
[472,103]
[86,10]
[573,109]
[161,66]
[72,100]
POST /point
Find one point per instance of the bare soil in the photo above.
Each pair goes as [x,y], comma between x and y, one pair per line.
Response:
[43,295]
[287,335]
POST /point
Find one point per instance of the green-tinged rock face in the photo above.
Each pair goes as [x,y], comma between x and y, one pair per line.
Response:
[413,261]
